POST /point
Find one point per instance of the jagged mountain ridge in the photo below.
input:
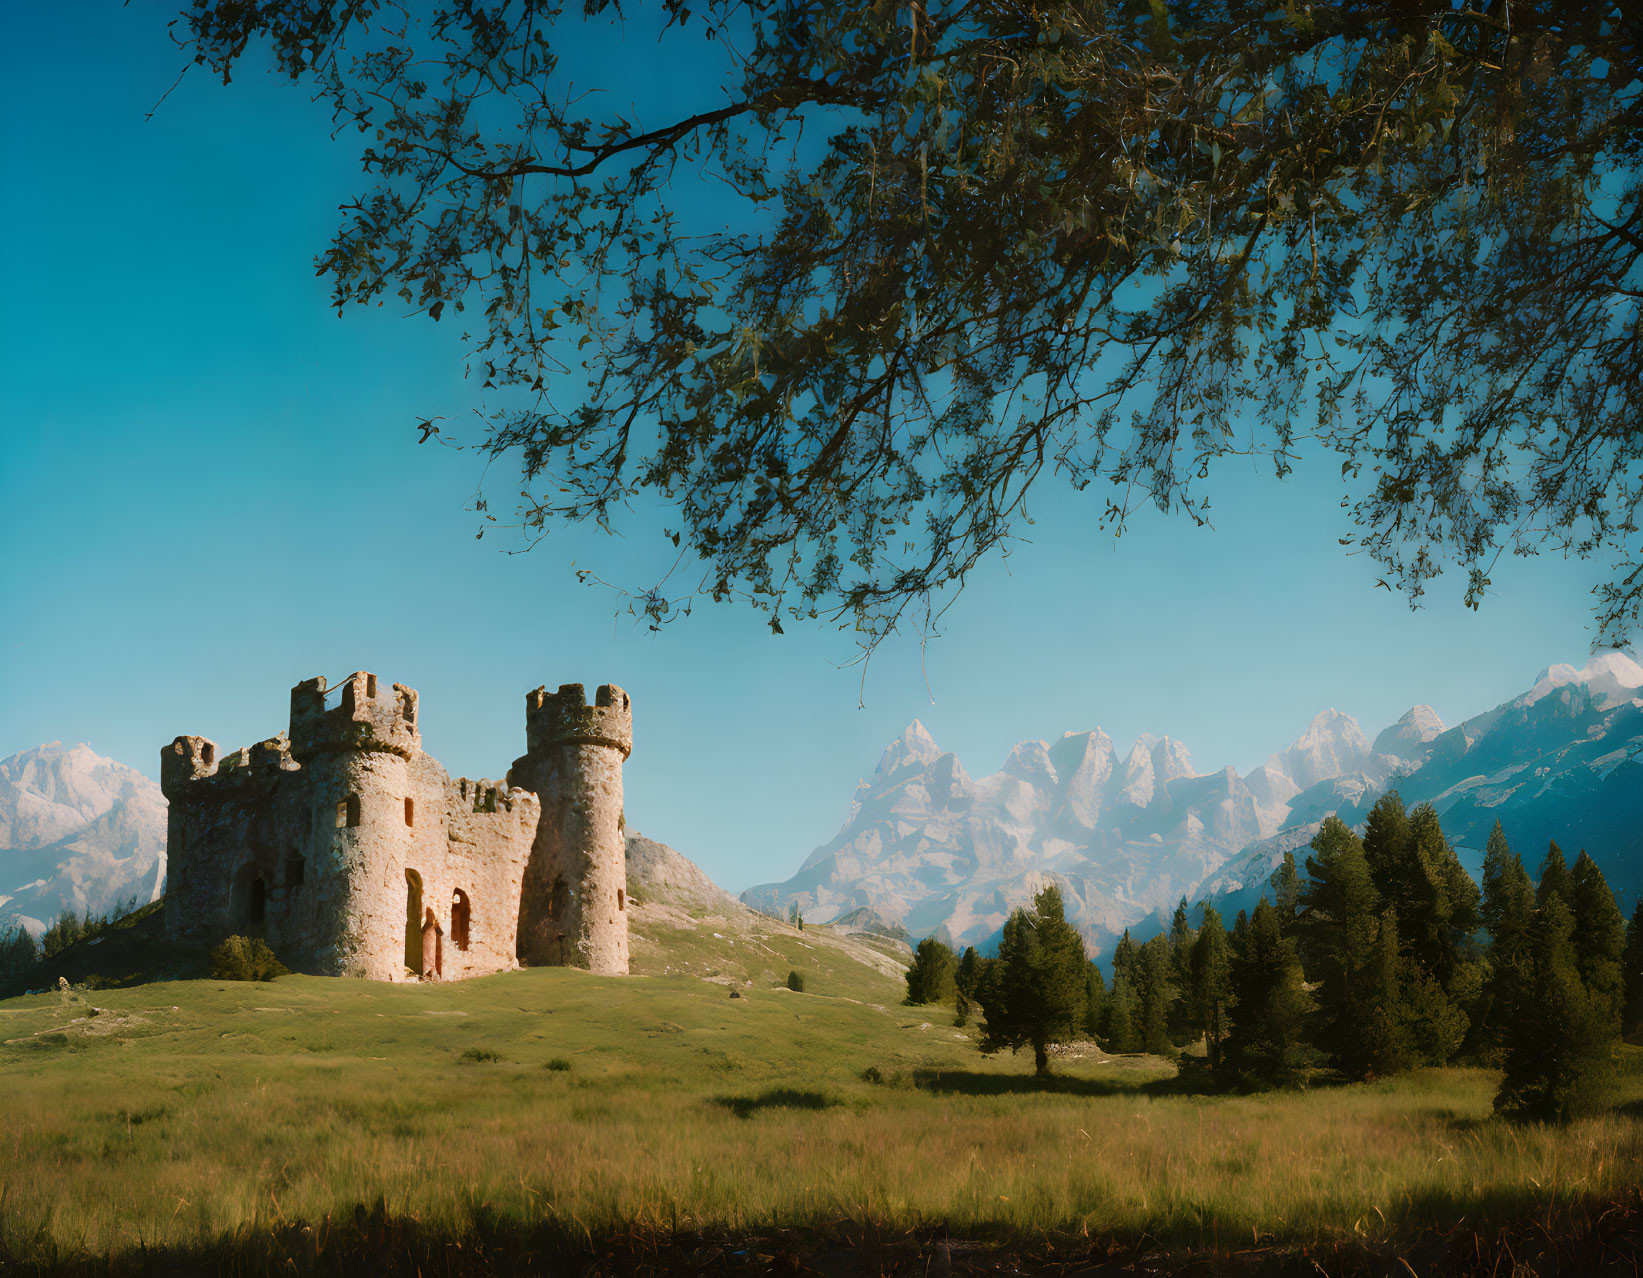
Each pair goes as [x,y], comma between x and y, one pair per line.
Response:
[1562,762]
[927,847]
[77,832]
[930,848]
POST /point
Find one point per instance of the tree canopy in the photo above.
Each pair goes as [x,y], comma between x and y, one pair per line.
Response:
[1034,994]
[972,246]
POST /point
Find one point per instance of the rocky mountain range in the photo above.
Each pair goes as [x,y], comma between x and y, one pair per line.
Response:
[77,832]
[927,847]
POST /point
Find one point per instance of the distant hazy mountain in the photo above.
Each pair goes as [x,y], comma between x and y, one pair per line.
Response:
[77,831]
[930,848]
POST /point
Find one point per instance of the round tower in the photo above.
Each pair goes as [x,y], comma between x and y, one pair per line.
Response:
[573,910]
[355,758]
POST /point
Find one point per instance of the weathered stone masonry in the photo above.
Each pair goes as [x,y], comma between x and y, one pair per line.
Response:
[354,854]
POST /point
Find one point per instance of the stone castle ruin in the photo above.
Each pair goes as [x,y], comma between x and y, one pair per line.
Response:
[354,854]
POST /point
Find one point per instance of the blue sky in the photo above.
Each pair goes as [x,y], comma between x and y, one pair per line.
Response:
[210,489]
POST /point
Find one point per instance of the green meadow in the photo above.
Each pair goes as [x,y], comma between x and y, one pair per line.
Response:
[178,1113]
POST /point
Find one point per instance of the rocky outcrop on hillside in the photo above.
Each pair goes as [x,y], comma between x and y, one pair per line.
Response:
[681,922]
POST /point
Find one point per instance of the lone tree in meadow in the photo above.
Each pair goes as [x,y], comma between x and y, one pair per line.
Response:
[931,976]
[953,252]
[1033,994]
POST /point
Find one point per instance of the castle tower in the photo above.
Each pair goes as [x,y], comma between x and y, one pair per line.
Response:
[573,910]
[355,758]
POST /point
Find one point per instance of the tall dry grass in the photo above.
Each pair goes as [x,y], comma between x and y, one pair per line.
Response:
[184,1113]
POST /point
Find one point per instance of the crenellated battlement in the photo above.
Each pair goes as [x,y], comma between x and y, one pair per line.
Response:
[492,796]
[565,718]
[363,719]
[186,759]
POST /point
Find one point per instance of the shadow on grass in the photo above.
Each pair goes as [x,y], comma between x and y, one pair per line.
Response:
[777,1098]
[960,1082]
[1461,1236]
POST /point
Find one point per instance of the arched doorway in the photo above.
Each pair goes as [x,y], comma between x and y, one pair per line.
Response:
[413,921]
[459,919]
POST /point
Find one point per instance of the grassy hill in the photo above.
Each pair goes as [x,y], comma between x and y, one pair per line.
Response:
[653,1121]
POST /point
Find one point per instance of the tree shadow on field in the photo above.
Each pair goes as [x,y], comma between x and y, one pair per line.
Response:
[777,1098]
[961,1082]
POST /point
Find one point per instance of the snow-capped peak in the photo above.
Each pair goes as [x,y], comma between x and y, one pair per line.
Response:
[1171,761]
[1333,744]
[914,748]
[1405,738]
[1135,778]
[1610,675]
[1030,762]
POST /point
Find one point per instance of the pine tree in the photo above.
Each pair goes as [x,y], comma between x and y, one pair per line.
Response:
[1095,1001]
[1118,1027]
[1338,944]
[1155,996]
[1508,913]
[1123,957]
[968,976]
[1631,977]
[1559,1053]
[1508,896]
[18,956]
[971,972]
[1184,1024]
[1599,935]
[1180,934]
[1434,904]
[1211,983]
[1286,887]
[1437,902]
[1035,995]
[1264,1047]
[1121,1031]
[1385,1039]
[1385,843]
[931,978]
[1436,1023]
[1421,879]
[1554,876]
